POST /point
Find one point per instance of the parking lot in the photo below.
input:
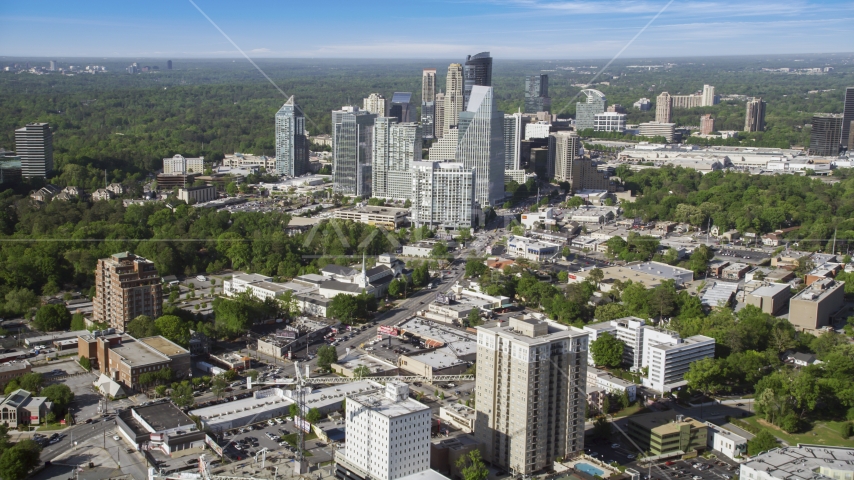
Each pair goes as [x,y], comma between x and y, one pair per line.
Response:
[718,468]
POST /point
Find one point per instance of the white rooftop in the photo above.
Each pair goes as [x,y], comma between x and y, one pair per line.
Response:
[439,358]
[458,341]
[380,403]
[770,290]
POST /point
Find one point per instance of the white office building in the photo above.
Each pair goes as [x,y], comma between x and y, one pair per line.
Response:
[815,462]
[537,130]
[179,165]
[512,141]
[728,443]
[600,379]
[668,363]
[395,147]
[388,435]
[481,145]
[442,195]
[609,122]
[657,129]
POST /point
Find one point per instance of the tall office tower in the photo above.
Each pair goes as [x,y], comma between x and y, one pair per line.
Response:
[478,71]
[126,286]
[439,116]
[847,118]
[754,119]
[375,103]
[402,108]
[513,141]
[453,97]
[565,151]
[291,140]
[537,94]
[585,113]
[851,137]
[34,144]
[352,138]
[52,66]
[395,147]
[168,64]
[663,108]
[824,139]
[707,124]
[428,102]
[531,384]
[481,144]
[708,95]
[443,195]
[389,435]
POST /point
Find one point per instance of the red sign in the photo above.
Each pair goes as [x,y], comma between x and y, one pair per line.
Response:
[62,422]
[34,417]
[388,330]
[572,276]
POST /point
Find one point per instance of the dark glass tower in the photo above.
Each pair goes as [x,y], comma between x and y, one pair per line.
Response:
[537,94]
[824,139]
[477,71]
[848,117]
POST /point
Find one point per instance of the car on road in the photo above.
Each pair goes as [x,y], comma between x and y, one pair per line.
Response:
[116,438]
[696,477]
[739,404]
[615,445]
[630,456]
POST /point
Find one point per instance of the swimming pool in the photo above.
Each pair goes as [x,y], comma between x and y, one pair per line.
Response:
[589,469]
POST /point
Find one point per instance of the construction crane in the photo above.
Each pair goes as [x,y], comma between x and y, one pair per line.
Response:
[299,420]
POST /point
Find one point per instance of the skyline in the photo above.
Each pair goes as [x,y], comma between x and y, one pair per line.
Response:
[510,29]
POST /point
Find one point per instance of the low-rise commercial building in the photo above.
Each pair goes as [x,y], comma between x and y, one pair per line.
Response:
[826,270]
[663,433]
[668,363]
[197,194]
[801,461]
[813,307]
[613,385]
[441,361]
[732,445]
[355,359]
[592,214]
[735,271]
[545,217]
[283,342]
[12,370]
[533,250]
[458,416]
[23,408]
[387,217]
[161,426]
[770,298]
[123,358]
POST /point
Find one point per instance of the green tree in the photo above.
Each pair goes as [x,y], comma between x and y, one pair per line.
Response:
[218,385]
[78,322]
[705,376]
[562,277]
[174,328]
[182,395]
[61,396]
[607,350]
[251,373]
[160,390]
[50,318]
[17,462]
[475,267]
[344,308]
[313,416]
[293,410]
[472,467]
[662,301]
[326,356]
[20,300]
[141,327]
[394,288]
[763,441]
[473,318]
[610,311]
[361,372]
[85,363]
[31,382]
[596,276]
[440,252]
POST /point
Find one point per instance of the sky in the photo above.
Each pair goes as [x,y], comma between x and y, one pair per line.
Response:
[512,29]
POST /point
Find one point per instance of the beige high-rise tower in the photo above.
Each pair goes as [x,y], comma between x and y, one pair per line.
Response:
[126,286]
[453,96]
[663,108]
[439,119]
[531,393]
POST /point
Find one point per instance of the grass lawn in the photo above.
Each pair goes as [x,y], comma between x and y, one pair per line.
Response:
[51,427]
[293,439]
[822,433]
[631,410]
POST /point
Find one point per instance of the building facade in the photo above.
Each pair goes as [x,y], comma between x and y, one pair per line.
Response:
[813,307]
[395,147]
[443,195]
[197,194]
[825,137]
[585,112]
[512,141]
[847,134]
[656,129]
[530,393]
[126,286]
[477,71]
[291,140]
[402,107]
[428,102]
[439,116]
[663,433]
[352,141]
[564,152]
[707,124]
[374,103]
[537,93]
[124,359]
[754,118]
[609,122]
[179,165]
[453,97]
[663,108]
[34,144]
[481,145]
[668,363]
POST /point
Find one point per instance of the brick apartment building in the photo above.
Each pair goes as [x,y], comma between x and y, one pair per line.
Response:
[123,358]
[126,286]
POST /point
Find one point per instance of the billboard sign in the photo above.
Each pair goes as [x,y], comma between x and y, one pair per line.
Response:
[388,330]
[214,446]
[302,424]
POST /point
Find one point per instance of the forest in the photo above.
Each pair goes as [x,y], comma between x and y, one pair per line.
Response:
[748,203]
[126,124]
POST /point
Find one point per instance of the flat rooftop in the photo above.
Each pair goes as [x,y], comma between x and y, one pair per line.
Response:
[770,290]
[357,358]
[164,346]
[14,366]
[458,341]
[250,277]
[260,401]
[439,358]
[54,336]
[819,290]
[163,416]
[803,462]
[685,342]
[382,405]
[138,354]
[556,331]
[663,422]
[659,269]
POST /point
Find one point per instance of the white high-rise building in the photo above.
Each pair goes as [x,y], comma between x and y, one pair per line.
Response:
[291,141]
[668,363]
[179,165]
[453,97]
[481,145]
[708,95]
[513,141]
[537,130]
[395,147]
[375,103]
[388,434]
[531,393]
[445,149]
[443,195]
[34,144]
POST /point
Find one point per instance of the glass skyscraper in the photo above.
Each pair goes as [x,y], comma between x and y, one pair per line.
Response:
[481,145]
[477,71]
[291,141]
[585,113]
[352,137]
[537,94]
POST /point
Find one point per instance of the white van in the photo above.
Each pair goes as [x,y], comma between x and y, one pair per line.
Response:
[201,278]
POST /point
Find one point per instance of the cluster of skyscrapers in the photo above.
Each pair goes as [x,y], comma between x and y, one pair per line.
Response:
[833,131]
